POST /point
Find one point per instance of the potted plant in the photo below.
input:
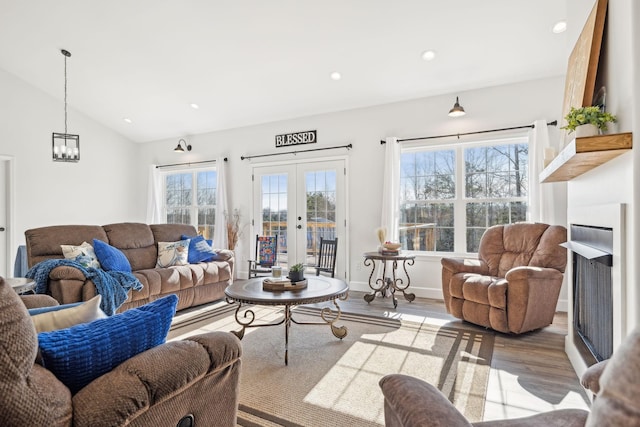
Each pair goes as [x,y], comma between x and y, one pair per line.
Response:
[296,273]
[592,118]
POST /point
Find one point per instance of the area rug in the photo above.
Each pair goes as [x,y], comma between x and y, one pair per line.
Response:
[332,382]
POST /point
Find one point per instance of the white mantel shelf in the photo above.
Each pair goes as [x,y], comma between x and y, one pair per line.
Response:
[583,154]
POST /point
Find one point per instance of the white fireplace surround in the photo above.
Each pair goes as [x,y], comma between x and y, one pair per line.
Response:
[609,216]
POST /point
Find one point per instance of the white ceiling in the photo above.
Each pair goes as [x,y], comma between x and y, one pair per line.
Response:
[246,62]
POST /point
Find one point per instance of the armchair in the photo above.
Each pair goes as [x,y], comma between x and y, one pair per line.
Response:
[513,286]
[187,383]
[411,402]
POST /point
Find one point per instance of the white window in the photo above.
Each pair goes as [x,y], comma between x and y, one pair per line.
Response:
[450,194]
[190,198]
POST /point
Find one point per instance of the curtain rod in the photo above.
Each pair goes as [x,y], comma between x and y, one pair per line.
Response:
[188,163]
[553,123]
[348,147]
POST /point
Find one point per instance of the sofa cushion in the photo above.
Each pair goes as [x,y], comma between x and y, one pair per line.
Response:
[136,241]
[83,254]
[111,258]
[44,243]
[67,315]
[171,232]
[173,253]
[81,353]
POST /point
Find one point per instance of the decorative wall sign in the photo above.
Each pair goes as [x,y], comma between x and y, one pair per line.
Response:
[296,138]
[583,62]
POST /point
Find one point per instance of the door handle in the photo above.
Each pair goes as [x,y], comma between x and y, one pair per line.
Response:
[299,218]
[299,227]
[1,228]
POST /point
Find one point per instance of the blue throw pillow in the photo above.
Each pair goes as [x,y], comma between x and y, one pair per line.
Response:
[110,258]
[82,353]
[200,250]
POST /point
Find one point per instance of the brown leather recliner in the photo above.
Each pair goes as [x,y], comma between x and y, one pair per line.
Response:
[513,286]
[191,382]
[411,402]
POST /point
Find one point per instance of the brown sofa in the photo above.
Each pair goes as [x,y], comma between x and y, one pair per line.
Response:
[194,284]
[197,377]
[411,402]
[514,284]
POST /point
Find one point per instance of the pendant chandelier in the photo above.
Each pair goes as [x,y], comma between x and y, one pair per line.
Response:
[66,147]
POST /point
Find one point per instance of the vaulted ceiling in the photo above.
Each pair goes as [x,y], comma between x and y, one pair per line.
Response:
[246,62]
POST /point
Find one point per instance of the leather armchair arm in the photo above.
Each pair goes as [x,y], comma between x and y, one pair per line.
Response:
[591,377]
[38,300]
[66,272]
[411,402]
[167,376]
[465,265]
[533,295]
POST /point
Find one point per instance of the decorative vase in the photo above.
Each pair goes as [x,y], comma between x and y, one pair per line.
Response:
[587,130]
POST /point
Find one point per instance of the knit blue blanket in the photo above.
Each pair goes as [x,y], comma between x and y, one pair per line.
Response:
[112,285]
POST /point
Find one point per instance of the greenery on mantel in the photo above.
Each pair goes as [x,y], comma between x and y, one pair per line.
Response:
[588,115]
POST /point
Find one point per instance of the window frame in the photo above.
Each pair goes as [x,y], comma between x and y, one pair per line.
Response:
[193,207]
[460,201]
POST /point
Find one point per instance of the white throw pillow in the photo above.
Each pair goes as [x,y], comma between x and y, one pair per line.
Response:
[65,318]
[173,253]
[84,254]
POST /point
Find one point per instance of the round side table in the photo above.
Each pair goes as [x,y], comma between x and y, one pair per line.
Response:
[20,284]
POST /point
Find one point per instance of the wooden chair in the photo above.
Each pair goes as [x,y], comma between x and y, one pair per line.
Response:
[327,256]
[266,256]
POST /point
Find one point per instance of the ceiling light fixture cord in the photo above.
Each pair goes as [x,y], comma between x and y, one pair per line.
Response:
[66,55]
[65,94]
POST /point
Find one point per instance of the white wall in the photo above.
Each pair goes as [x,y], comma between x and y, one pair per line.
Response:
[100,189]
[497,107]
[615,181]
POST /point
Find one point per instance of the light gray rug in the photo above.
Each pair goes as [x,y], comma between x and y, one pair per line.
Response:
[332,382]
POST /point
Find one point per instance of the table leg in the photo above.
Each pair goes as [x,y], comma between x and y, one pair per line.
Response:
[287,325]
[381,284]
[330,318]
[398,284]
[247,319]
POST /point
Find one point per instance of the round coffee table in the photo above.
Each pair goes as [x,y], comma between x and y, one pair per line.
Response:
[319,289]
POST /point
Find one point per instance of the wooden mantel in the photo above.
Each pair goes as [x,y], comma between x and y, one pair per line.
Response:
[583,154]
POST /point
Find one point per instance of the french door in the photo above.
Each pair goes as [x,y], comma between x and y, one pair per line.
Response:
[300,203]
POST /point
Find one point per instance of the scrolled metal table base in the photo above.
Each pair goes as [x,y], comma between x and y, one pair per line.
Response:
[388,283]
[327,314]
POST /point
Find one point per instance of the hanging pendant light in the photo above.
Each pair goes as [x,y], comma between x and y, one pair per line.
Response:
[66,147]
[457,110]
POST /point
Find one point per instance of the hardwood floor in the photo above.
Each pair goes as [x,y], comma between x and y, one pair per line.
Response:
[530,373]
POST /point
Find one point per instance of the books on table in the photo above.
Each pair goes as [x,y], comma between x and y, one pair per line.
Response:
[277,280]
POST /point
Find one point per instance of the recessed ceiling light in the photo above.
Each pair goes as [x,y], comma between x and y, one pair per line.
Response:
[560,27]
[428,55]
[194,106]
[128,120]
[336,75]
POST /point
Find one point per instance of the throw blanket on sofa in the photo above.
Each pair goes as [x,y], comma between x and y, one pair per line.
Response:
[112,285]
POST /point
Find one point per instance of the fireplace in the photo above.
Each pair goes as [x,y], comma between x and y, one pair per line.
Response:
[596,308]
[592,261]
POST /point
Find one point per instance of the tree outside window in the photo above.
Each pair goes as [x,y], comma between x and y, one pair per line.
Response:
[490,188]
[190,198]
